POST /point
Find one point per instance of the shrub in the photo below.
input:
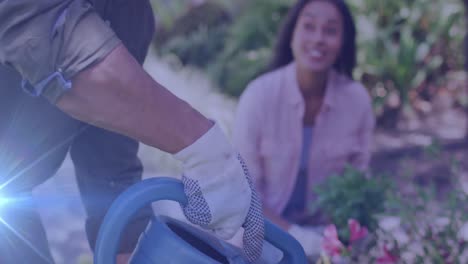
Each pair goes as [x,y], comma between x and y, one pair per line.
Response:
[404,45]
[352,195]
[198,48]
[248,45]
[196,37]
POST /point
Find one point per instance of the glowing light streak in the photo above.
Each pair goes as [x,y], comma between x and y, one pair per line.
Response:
[42,157]
[25,241]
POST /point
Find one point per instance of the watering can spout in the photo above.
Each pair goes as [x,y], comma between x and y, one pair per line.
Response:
[168,240]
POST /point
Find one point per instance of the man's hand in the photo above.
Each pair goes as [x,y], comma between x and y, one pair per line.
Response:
[309,239]
[221,196]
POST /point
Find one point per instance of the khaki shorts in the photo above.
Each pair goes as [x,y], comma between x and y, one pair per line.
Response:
[48,42]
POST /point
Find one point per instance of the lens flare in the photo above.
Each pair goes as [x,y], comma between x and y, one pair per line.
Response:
[4,201]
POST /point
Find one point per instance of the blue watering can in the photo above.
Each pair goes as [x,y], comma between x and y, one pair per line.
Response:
[167,240]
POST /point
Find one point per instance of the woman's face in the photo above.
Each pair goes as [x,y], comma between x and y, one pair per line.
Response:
[318,36]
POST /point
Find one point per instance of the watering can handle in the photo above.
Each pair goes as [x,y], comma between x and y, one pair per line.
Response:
[162,188]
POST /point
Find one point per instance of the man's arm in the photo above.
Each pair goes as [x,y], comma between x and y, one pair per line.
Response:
[118,95]
[68,39]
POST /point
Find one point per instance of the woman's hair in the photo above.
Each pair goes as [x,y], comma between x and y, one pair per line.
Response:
[346,61]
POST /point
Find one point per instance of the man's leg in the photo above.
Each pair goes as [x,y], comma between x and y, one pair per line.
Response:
[22,236]
[106,163]
[34,138]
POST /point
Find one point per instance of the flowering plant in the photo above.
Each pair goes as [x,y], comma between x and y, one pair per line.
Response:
[351,195]
[335,251]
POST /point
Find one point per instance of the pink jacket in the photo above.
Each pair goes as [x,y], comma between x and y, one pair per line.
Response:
[268,132]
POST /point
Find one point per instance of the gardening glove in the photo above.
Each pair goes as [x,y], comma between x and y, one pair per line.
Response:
[221,196]
[309,239]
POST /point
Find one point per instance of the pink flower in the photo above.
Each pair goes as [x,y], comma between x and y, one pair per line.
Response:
[387,257]
[331,245]
[356,231]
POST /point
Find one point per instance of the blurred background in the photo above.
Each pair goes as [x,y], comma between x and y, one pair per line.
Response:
[411,59]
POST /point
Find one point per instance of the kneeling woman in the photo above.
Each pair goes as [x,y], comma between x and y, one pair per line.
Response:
[305,119]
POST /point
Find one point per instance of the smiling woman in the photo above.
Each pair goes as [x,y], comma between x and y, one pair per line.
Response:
[306,119]
[317,39]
